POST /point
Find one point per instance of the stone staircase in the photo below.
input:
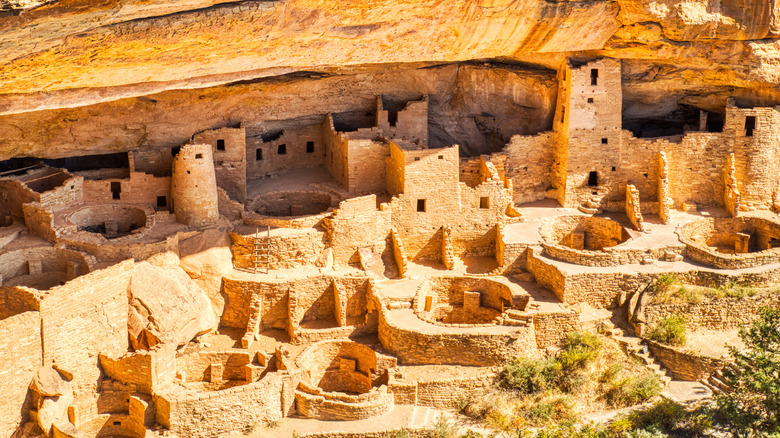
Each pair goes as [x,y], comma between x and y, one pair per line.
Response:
[716,383]
[635,347]
[592,205]
[515,318]
[423,417]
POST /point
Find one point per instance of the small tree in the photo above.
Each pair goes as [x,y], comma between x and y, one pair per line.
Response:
[753,404]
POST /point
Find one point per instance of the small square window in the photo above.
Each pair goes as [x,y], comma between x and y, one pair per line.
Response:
[604,141]
[198,156]
[614,168]
[484,202]
[281,149]
[421,205]
[590,100]
[162,201]
[416,158]
[258,154]
[441,157]
[309,147]
[645,175]
[220,145]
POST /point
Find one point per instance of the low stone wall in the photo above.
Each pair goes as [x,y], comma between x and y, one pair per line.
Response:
[294,222]
[716,314]
[441,393]
[601,289]
[114,250]
[144,369]
[206,414]
[700,236]
[473,346]
[682,364]
[314,403]
[552,328]
[613,256]
[287,250]
[411,433]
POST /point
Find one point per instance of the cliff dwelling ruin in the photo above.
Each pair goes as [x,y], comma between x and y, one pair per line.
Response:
[280,225]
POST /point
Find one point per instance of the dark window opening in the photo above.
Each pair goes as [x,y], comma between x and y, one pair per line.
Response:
[392,118]
[416,158]
[604,141]
[258,154]
[220,145]
[593,179]
[484,202]
[750,125]
[117,423]
[441,157]
[594,76]
[175,151]
[613,168]
[281,149]
[715,122]
[645,175]
[309,147]
[421,205]
[116,189]
[563,114]
[590,100]
[198,156]
[162,201]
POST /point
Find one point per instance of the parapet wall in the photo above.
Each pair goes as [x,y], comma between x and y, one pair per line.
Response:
[714,314]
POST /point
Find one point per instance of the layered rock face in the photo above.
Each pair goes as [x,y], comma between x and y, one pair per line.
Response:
[77,54]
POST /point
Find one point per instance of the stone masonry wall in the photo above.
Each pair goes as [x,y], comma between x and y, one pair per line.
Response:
[20,344]
[684,365]
[74,332]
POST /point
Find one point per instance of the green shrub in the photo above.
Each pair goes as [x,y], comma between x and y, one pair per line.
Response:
[669,330]
[557,409]
[528,376]
[444,428]
[402,433]
[666,280]
[631,390]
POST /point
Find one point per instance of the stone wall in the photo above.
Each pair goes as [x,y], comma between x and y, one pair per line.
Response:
[552,328]
[714,314]
[315,403]
[475,347]
[294,145]
[684,365]
[713,241]
[74,333]
[357,223]
[528,162]
[140,188]
[288,248]
[144,369]
[20,343]
[214,413]
[440,393]
[229,153]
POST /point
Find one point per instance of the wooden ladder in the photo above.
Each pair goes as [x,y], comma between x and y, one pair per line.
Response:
[262,250]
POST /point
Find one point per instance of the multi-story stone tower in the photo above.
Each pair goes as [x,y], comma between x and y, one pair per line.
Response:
[194,186]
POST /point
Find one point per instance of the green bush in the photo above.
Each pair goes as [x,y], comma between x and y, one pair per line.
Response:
[444,428]
[528,376]
[669,330]
[631,390]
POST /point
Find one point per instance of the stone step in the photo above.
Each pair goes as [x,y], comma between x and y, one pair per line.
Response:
[715,381]
[587,210]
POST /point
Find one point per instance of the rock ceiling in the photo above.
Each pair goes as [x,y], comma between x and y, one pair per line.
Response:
[81,53]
